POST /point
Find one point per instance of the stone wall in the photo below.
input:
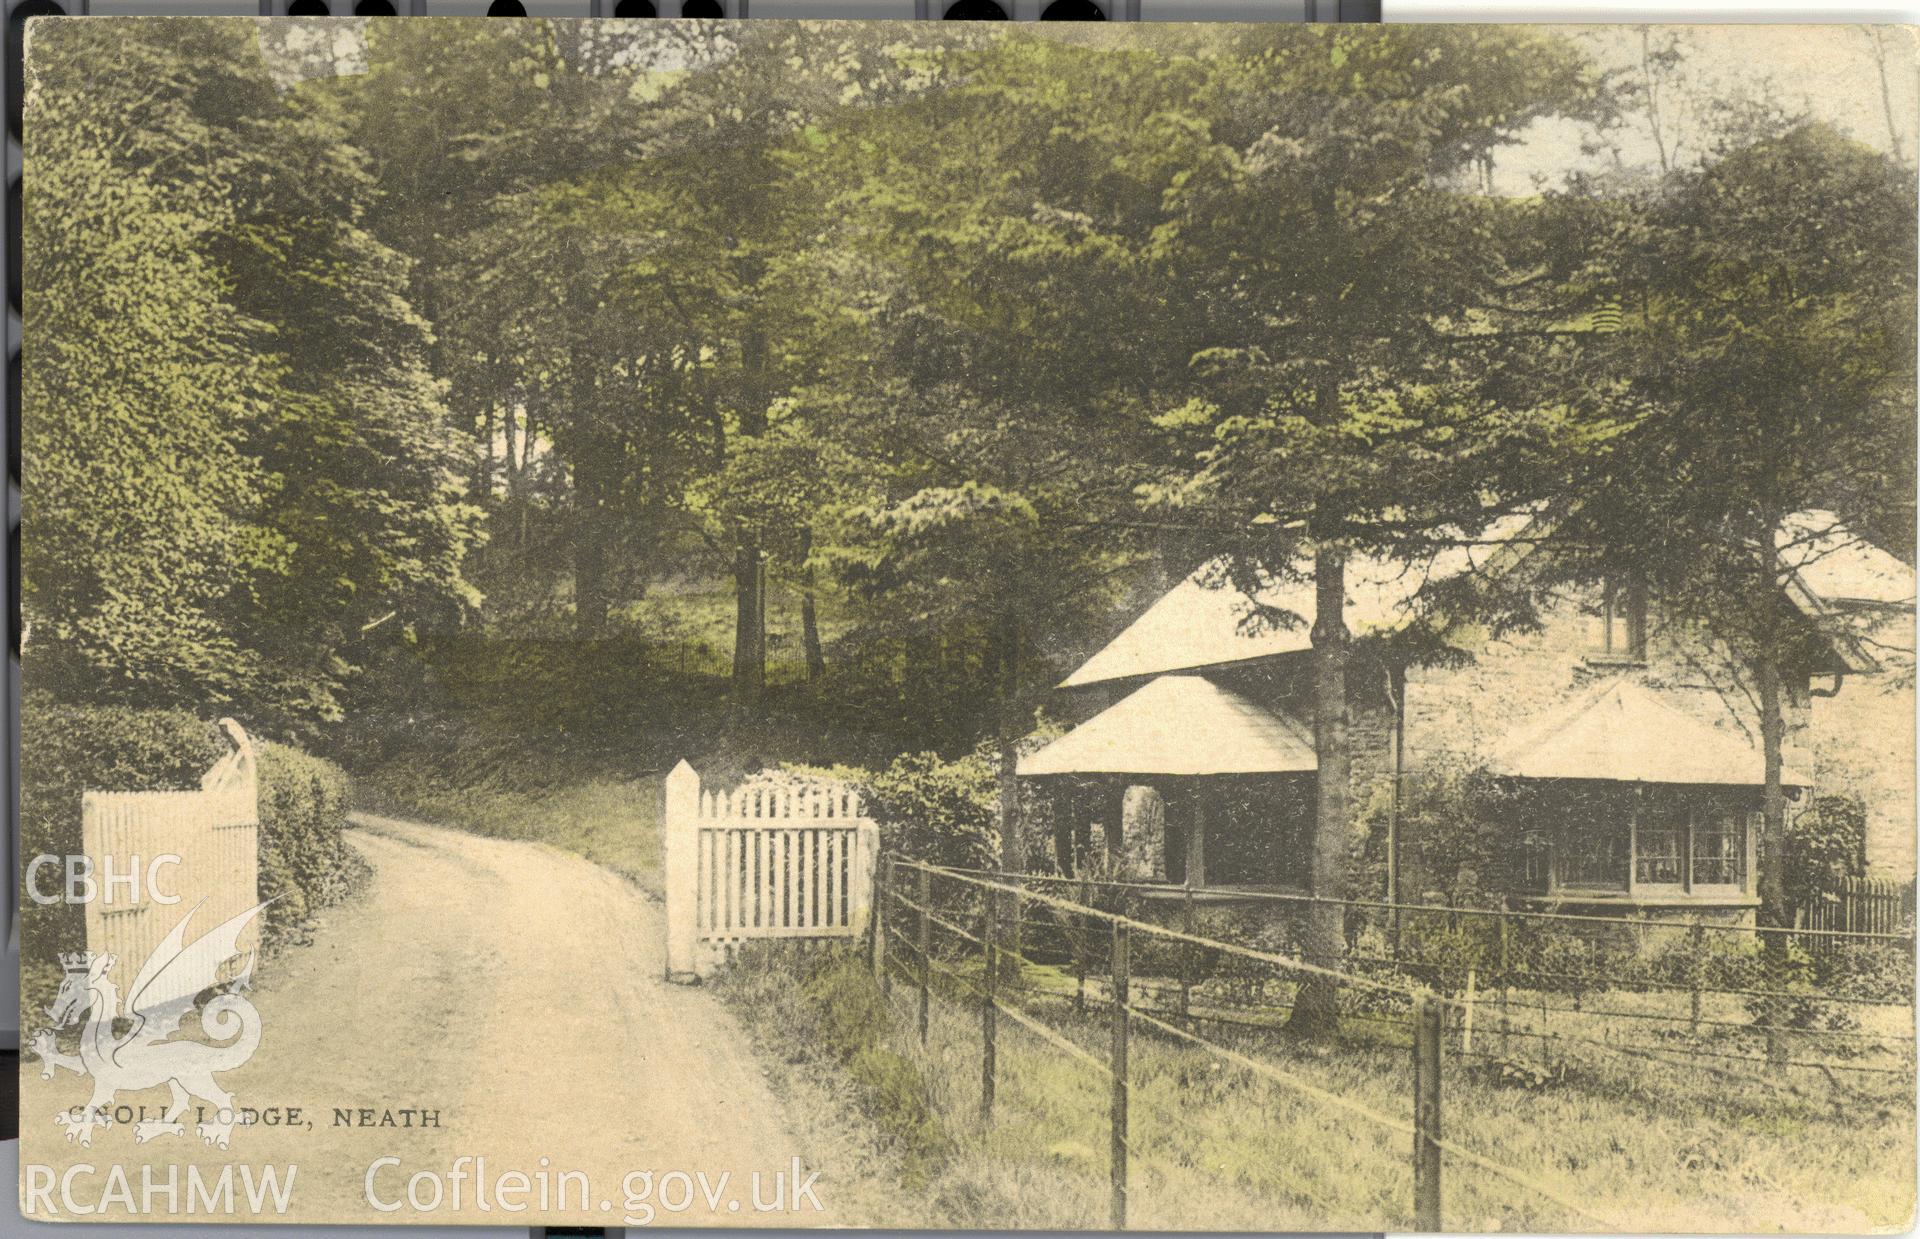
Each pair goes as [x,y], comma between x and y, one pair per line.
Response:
[1466,712]
[1863,745]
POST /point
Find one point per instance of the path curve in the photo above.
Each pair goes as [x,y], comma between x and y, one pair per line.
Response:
[517,989]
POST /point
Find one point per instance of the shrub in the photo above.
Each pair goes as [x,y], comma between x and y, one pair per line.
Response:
[1717,961]
[934,809]
[1440,956]
[1457,826]
[1880,971]
[66,750]
[303,808]
[1824,844]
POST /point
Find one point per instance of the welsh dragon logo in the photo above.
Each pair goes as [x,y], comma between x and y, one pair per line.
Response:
[146,1056]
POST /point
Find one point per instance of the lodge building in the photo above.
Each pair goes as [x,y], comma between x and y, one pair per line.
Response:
[1627,752]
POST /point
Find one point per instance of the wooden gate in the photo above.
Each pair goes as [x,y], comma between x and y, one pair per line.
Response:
[215,833]
[761,862]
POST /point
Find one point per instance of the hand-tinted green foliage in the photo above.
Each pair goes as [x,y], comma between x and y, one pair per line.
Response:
[303,806]
[1463,834]
[1767,372]
[67,749]
[938,810]
[236,460]
[141,382]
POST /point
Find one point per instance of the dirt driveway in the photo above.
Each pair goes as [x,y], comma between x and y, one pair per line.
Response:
[516,990]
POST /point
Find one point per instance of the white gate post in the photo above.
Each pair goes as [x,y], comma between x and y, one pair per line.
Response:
[680,832]
[866,851]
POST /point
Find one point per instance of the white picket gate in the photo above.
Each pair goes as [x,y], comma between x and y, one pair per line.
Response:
[761,862]
[215,833]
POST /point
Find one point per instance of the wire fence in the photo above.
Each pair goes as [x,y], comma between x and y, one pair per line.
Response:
[1478,998]
[1819,999]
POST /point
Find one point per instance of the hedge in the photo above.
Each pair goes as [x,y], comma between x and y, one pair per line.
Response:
[303,806]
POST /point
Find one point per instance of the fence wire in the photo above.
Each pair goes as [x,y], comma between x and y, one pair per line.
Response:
[1115,955]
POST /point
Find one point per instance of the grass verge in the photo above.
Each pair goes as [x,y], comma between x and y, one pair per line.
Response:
[1218,1146]
[612,822]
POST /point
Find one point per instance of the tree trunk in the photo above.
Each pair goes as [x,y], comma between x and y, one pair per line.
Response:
[589,503]
[483,479]
[510,424]
[749,621]
[1316,1005]
[589,548]
[749,568]
[1771,880]
[1013,847]
[809,619]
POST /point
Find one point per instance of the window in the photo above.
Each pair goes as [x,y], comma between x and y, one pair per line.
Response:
[1689,840]
[1594,841]
[1660,845]
[1671,840]
[1719,851]
[1595,860]
[1621,623]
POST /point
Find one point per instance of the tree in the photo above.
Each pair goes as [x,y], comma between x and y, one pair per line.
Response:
[1360,318]
[487,142]
[1769,374]
[1015,349]
[374,499]
[141,382]
[249,475]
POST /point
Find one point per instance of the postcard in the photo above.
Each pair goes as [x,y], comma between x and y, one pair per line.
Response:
[965,625]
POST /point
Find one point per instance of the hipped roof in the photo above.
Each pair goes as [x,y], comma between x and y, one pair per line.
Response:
[1624,732]
[1179,725]
[1839,567]
[1206,621]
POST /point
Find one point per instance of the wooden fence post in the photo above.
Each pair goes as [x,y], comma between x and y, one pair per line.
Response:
[1696,941]
[886,898]
[877,926]
[680,828]
[1082,929]
[1466,1023]
[1426,1114]
[866,849]
[990,968]
[1506,980]
[1118,1152]
[926,946]
[1186,956]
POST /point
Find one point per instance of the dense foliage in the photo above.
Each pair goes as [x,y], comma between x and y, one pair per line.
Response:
[829,387]
[239,479]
